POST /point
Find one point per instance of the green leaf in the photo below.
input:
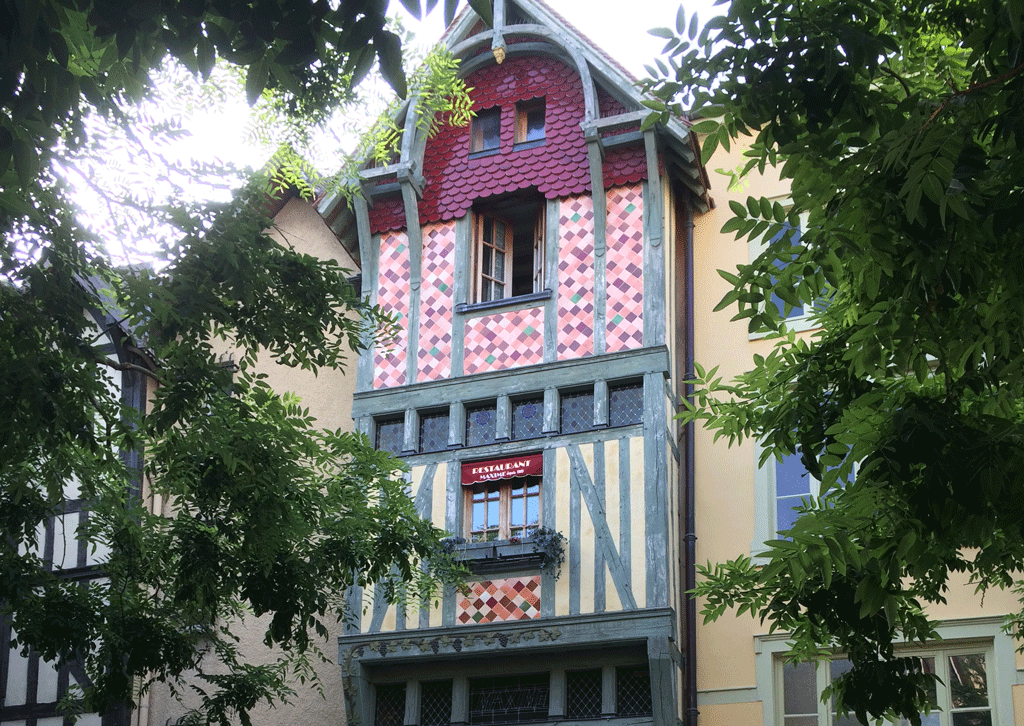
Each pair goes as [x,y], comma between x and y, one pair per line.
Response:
[256,80]
[661,32]
[389,51]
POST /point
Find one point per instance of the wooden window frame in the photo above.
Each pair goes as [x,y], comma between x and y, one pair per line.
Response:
[490,274]
[501,491]
[524,109]
[479,124]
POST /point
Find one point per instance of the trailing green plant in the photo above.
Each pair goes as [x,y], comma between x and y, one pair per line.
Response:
[550,545]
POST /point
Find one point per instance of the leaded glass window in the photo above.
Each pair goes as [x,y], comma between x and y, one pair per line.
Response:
[389,709]
[390,434]
[633,690]
[480,424]
[577,411]
[435,703]
[625,403]
[583,693]
[528,418]
[509,699]
[434,431]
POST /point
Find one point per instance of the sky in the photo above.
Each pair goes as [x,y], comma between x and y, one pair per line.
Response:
[619,27]
[220,131]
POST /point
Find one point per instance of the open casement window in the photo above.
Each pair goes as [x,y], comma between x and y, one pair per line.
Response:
[508,250]
[502,497]
[961,697]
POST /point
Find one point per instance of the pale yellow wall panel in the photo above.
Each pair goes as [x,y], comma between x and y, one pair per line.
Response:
[611,602]
[587,539]
[415,478]
[638,525]
[562,469]
[611,508]
[731,714]
[389,624]
[588,559]
[1018,705]
[437,505]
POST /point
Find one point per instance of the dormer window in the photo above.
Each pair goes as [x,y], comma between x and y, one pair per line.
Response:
[486,128]
[530,123]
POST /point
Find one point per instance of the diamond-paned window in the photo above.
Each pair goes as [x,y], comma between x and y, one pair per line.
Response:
[480,424]
[435,703]
[389,709]
[390,434]
[527,418]
[509,699]
[633,690]
[625,404]
[577,411]
[583,693]
[434,431]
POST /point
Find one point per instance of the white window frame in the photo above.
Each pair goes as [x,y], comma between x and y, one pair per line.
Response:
[755,246]
[766,503]
[968,635]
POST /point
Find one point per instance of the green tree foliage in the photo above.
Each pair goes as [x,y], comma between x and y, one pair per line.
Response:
[900,126]
[265,513]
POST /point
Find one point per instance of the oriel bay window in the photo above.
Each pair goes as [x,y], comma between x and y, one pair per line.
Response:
[502,497]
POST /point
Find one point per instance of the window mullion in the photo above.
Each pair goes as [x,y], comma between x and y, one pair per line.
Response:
[504,508]
[821,673]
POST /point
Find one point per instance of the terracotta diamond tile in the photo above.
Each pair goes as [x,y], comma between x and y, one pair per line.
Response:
[393,298]
[576,278]
[625,305]
[519,600]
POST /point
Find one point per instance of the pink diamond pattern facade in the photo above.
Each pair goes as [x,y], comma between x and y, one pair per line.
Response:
[393,298]
[436,302]
[515,598]
[625,307]
[506,340]
[576,278]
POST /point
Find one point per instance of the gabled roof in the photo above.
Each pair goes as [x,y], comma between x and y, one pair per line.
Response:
[531,26]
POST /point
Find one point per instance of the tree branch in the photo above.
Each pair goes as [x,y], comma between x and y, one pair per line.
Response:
[130,367]
[971,89]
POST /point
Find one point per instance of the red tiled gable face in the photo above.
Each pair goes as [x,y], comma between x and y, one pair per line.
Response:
[387,214]
[558,168]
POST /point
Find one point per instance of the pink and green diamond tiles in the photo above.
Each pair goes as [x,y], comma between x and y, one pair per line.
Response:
[515,598]
[625,307]
[504,340]
[436,302]
[393,298]
[576,278]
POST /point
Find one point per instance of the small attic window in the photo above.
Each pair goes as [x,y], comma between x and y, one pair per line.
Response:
[530,122]
[486,127]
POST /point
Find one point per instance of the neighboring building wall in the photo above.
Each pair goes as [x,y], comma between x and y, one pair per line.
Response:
[328,396]
[739,665]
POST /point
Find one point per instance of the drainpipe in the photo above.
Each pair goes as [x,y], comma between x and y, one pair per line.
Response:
[690,538]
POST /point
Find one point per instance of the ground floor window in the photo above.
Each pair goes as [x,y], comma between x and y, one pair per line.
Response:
[509,699]
[961,697]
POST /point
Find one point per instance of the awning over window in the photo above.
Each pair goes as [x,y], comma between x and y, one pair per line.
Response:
[495,469]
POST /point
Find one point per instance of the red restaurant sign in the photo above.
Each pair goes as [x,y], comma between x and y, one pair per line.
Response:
[478,471]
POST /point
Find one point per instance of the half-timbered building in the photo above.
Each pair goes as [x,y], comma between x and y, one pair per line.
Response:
[536,261]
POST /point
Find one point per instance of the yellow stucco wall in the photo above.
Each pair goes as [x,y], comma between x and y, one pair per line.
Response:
[725,475]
